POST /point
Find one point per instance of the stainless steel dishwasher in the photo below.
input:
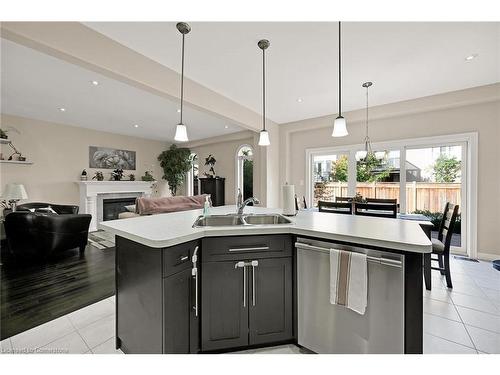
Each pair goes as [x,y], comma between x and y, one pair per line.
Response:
[326,328]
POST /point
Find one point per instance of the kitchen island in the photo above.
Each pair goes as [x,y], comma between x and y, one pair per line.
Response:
[187,290]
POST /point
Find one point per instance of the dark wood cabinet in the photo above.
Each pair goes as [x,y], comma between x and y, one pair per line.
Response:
[215,187]
[224,314]
[243,289]
[247,300]
[155,298]
[180,325]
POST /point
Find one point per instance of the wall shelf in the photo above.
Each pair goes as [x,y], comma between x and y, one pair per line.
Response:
[4,141]
[16,162]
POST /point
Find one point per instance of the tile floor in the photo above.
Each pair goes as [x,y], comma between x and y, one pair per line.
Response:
[463,320]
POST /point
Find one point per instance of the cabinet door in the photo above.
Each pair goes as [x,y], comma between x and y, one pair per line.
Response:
[177,306]
[270,301]
[224,310]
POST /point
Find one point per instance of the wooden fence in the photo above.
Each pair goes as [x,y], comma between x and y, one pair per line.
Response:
[419,195]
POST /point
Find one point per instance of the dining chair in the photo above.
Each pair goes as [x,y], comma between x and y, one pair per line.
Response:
[376,209]
[304,203]
[335,207]
[381,200]
[441,246]
[343,199]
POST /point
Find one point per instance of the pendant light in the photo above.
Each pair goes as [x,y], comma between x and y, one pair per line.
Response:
[363,155]
[181,130]
[264,135]
[339,126]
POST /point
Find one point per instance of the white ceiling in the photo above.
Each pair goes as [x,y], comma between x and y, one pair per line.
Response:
[36,85]
[404,60]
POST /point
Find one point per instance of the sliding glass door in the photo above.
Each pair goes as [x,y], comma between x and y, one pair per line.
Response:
[329,176]
[421,174]
[434,177]
[377,175]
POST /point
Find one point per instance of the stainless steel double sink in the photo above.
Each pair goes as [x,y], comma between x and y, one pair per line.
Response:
[231,220]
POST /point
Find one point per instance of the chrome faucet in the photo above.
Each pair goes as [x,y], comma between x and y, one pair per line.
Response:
[242,204]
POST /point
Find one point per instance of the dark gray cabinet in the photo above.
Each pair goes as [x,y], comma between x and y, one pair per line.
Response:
[271,301]
[215,187]
[156,298]
[180,324]
[224,313]
[247,300]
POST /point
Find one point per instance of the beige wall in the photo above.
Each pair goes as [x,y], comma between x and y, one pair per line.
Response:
[390,123]
[224,150]
[59,154]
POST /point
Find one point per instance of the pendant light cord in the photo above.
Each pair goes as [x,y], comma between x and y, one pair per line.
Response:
[263,89]
[366,121]
[340,76]
[182,77]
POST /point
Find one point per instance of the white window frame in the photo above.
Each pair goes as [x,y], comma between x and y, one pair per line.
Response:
[469,178]
[239,167]
[190,179]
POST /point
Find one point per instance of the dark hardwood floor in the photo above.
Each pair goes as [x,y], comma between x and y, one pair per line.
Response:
[33,294]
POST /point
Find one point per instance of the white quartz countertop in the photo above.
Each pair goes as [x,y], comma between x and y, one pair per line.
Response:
[170,229]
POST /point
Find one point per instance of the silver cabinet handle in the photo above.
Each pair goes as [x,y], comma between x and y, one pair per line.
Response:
[244,287]
[184,258]
[254,264]
[256,248]
[194,273]
[243,265]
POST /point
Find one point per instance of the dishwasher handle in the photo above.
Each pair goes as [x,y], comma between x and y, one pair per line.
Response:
[378,260]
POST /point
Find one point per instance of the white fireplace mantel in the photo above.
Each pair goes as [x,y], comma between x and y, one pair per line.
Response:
[91,191]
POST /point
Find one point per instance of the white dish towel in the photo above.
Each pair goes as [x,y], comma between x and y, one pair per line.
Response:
[348,280]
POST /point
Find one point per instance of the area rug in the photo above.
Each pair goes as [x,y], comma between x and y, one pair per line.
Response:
[102,240]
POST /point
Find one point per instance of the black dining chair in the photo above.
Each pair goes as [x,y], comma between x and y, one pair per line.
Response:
[343,199]
[335,207]
[441,246]
[381,200]
[304,203]
[376,209]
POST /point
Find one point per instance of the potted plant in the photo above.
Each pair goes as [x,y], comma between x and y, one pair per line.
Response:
[131,177]
[117,174]
[98,176]
[148,176]
[210,161]
[3,134]
[175,163]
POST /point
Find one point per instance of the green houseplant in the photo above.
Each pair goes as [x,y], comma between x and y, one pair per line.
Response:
[175,163]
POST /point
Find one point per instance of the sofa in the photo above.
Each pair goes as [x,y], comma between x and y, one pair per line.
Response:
[38,230]
[152,206]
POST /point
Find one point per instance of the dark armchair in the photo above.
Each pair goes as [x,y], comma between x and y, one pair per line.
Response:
[61,209]
[38,234]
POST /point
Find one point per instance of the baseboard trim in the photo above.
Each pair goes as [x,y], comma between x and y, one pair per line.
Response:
[488,256]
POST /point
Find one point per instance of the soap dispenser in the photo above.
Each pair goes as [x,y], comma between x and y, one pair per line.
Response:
[206,207]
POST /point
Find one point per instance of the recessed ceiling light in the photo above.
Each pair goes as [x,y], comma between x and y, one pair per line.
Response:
[62,109]
[95,83]
[471,57]
[179,110]
[226,127]
[299,100]
[136,126]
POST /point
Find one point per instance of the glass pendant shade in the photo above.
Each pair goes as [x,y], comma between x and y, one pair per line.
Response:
[380,155]
[181,133]
[361,155]
[264,138]
[339,127]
